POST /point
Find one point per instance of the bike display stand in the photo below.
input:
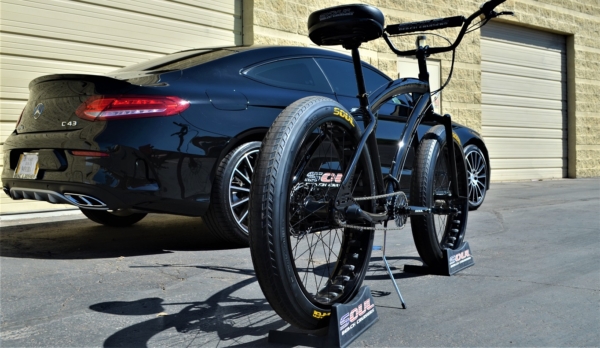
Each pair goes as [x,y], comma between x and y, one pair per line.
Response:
[346,323]
[456,261]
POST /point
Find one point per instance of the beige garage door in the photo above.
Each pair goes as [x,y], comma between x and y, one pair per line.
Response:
[40,37]
[524,102]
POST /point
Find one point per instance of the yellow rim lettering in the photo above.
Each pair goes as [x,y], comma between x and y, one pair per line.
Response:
[320,315]
[343,114]
[455,136]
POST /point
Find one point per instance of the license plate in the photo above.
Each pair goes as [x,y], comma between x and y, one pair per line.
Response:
[28,167]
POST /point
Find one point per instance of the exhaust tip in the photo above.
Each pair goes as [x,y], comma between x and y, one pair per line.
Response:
[76,199]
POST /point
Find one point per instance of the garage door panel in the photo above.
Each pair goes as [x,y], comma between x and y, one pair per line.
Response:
[11,109]
[508,116]
[27,46]
[47,66]
[229,6]
[111,27]
[525,148]
[176,11]
[522,86]
[536,73]
[527,163]
[528,174]
[514,101]
[524,37]
[6,128]
[513,55]
[157,40]
[18,72]
[514,132]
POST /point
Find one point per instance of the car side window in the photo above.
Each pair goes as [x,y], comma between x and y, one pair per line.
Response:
[297,73]
[340,74]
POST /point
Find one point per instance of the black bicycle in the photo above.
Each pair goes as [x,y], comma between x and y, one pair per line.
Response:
[318,190]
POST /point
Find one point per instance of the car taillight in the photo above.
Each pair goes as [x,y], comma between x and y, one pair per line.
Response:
[19,120]
[103,108]
[89,153]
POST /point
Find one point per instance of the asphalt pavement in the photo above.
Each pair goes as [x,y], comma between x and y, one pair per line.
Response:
[68,282]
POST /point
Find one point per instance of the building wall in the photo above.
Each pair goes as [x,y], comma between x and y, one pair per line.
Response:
[283,22]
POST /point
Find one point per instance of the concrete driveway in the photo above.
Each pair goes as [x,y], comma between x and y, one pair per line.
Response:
[536,281]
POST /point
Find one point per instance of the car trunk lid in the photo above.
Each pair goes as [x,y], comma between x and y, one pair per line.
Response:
[53,100]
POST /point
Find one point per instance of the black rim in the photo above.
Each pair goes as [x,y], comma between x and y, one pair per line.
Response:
[239,188]
[317,244]
[477,176]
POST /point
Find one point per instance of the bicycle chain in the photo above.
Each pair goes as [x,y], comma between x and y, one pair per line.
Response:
[344,225]
[377,197]
[368,228]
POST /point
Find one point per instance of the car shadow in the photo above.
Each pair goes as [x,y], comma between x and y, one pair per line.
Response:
[84,239]
[222,317]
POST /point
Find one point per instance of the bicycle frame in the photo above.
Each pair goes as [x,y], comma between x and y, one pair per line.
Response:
[421,110]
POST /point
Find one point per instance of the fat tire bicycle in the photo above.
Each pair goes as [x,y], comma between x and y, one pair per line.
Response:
[318,189]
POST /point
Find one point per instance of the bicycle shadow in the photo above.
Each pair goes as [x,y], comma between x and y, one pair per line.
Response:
[208,322]
[377,270]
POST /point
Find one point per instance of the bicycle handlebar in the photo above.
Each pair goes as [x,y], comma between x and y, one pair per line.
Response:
[489,6]
[486,9]
[438,23]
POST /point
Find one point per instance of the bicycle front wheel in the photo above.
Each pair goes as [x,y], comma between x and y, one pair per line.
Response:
[431,187]
[304,260]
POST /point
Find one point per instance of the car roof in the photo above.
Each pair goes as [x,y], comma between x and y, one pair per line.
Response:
[282,50]
[249,54]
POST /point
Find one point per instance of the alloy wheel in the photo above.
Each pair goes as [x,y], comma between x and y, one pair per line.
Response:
[477,175]
[239,188]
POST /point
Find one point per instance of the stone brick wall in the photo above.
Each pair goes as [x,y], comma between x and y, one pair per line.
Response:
[281,22]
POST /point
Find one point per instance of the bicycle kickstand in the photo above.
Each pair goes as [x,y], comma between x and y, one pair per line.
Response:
[387,266]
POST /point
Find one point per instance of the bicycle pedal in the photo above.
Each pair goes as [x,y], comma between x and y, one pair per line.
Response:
[348,268]
[342,279]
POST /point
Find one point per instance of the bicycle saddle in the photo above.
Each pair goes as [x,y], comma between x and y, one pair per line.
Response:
[345,25]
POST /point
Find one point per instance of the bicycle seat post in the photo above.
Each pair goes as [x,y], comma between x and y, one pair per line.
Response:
[360,80]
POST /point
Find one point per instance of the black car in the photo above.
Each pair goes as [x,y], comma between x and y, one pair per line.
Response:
[180,134]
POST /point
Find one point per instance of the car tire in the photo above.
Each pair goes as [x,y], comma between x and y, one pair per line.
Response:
[227,215]
[477,176]
[120,218]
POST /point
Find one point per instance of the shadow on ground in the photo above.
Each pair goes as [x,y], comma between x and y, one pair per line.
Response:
[83,239]
[222,319]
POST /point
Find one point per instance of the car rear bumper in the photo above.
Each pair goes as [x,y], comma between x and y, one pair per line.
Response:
[87,196]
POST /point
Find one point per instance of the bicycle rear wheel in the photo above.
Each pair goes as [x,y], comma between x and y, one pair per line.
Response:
[431,187]
[304,260]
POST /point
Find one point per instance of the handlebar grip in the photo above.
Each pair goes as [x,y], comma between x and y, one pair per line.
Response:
[438,23]
[489,6]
